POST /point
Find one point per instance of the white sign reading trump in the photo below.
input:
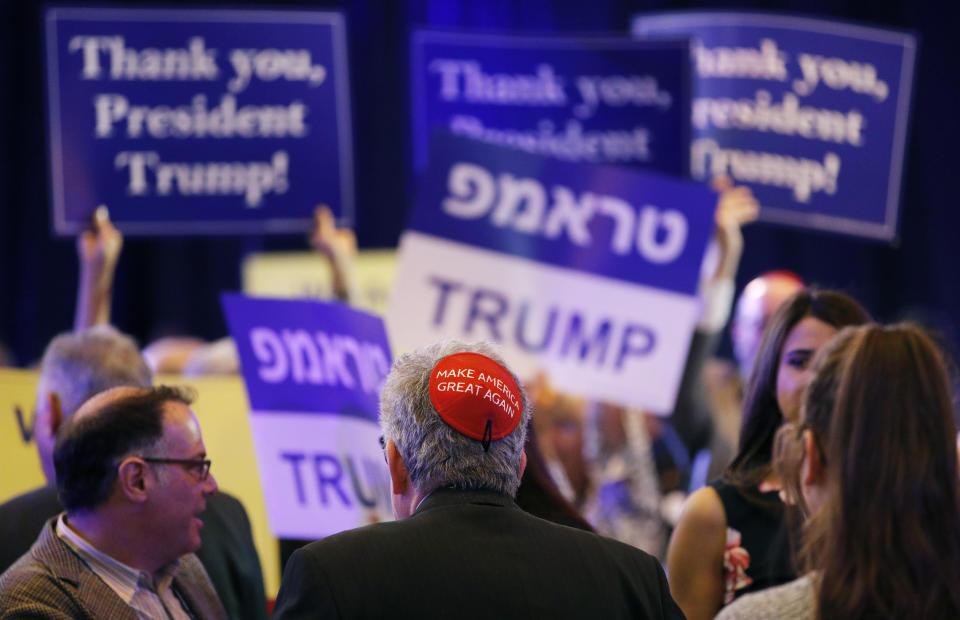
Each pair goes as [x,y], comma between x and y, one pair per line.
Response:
[586,272]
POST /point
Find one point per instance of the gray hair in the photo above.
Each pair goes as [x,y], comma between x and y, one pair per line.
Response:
[434,453]
[78,365]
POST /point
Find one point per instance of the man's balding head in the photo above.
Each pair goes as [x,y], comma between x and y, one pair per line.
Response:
[108,427]
[101,401]
[759,300]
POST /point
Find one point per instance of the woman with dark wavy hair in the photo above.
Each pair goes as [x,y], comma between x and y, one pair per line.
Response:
[875,467]
[732,537]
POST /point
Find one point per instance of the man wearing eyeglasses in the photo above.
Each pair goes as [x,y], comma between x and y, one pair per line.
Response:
[77,366]
[133,476]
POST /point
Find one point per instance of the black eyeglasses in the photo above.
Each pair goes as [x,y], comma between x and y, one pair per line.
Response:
[200,467]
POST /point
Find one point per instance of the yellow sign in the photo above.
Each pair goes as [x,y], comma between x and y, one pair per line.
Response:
[307,274]
[222,410]
[18,456]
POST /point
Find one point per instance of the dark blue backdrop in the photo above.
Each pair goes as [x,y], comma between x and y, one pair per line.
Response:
[172,285]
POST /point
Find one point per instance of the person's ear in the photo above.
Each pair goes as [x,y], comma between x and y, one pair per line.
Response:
[133,479]
[56,413]
[811,472]
[54,417]
[399,477]
[523,464]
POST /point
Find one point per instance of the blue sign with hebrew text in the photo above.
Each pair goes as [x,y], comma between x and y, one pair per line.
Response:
[188,121]
[643,228]
[306,355]
[811,114]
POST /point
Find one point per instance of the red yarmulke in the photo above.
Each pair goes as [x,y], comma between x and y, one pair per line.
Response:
[470,390]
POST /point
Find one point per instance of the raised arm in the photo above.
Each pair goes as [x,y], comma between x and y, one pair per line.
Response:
[338,245]
[736,207]
[98,250]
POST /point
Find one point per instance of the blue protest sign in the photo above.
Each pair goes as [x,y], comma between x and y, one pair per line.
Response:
[313,373]
[811,114]
[190,121]
[300,355]
[600,100]
[585,272]
[644,228]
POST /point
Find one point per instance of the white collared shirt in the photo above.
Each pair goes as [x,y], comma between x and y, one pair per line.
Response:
[151,599]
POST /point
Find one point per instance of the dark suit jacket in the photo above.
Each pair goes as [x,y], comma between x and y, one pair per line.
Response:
[51,581]
[472,554]
[227,552]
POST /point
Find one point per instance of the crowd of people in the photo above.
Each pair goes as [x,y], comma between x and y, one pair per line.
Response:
[815,478]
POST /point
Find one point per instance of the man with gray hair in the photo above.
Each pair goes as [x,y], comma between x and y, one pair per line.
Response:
[454,422]
[75,367]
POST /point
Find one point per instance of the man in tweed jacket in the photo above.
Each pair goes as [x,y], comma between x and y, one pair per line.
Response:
[75,367]
[132,474]
[52,581]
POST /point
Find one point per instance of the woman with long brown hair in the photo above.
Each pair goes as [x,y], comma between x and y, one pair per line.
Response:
[873,461]
[731,538]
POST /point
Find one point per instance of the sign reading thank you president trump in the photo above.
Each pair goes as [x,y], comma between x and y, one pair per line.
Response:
[608,100]
[811,114]
[188,121]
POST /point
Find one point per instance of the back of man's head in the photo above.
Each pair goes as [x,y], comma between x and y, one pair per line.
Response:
[434,452]
[75,367]
[110,426]
[758,301]
[78,365]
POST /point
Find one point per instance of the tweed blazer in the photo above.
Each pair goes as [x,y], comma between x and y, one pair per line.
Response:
[227,552]
[51,581]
